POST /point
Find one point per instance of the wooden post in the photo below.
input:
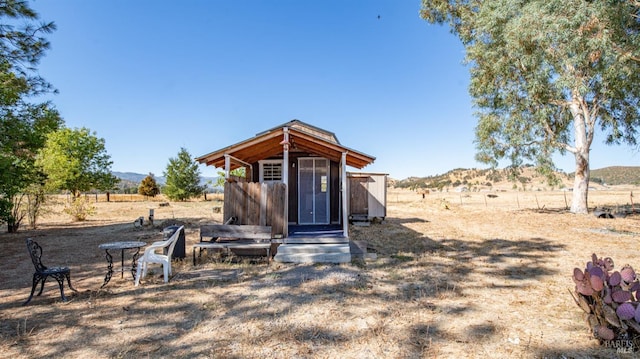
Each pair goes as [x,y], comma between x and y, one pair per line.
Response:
[227,166]
[343,183]
[285,180]
[151,216]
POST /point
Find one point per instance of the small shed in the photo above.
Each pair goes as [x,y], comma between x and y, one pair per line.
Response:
[367,196]
[295,174]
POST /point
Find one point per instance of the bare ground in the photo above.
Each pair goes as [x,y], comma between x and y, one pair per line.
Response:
[456,275]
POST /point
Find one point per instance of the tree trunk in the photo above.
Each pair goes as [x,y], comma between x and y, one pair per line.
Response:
[581,184]
[583,135]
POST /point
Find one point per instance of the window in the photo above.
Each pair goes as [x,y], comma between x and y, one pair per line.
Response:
[271,171]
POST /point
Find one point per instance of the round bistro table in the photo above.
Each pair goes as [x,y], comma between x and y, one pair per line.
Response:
[121,246]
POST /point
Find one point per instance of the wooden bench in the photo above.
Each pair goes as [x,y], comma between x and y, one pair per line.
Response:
[229,236]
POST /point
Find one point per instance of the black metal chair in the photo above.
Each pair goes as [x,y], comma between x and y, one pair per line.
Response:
[42,272]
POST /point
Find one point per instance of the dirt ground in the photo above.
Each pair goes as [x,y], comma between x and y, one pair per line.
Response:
[457,275]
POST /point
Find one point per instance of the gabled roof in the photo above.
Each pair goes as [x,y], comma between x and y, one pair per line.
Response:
[305,127]
[302,137]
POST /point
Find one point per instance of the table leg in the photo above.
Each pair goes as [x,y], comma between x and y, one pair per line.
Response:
[122,264]
[134,263]
[107,277]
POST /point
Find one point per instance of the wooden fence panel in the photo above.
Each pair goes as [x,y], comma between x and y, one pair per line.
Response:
[234,202]
[278,200]
[260,204]
[253,203]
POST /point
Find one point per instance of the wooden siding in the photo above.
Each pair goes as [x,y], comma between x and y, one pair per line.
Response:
[358,196]
[258,204]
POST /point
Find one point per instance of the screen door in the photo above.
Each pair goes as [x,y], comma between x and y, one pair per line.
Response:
[313,191]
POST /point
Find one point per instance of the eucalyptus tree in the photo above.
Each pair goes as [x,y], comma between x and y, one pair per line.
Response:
[547,76]
[24,122]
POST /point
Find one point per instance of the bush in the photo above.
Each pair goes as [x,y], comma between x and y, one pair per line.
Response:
[149,187]
[80,209]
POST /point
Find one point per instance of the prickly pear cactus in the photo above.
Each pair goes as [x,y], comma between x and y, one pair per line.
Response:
[611,301]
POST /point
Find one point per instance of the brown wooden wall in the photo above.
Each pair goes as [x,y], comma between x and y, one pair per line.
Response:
[259,204]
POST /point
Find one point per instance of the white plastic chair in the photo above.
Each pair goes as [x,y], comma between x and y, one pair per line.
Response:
[150,256]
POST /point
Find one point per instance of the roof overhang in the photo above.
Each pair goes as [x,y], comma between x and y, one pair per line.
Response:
[269,144]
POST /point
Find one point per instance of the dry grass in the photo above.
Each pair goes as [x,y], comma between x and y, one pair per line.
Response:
[457,275]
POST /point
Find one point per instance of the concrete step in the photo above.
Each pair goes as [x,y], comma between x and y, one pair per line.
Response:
[313,258]
[315,240]
[314,248]
[314,253]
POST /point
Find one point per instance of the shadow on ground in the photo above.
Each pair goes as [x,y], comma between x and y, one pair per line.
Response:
[176,320]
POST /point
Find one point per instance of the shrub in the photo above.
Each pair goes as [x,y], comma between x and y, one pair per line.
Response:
[149,187]
[80,209]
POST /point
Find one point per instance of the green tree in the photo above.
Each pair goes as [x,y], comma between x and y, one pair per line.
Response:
[76,160]
[149,187]
[546,75]
[183,177]
[24,124]
[238,172]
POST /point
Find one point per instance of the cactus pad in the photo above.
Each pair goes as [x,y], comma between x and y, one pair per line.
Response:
[604,333]
[597,283]
[628,274]
[620,296]
[615,279]
[626,311]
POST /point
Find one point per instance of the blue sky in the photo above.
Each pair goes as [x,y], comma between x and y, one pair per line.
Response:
[151,77]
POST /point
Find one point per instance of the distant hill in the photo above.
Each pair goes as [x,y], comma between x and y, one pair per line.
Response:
[617,175]
[131,179]
[471,178]
[136,177]
[478,179]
